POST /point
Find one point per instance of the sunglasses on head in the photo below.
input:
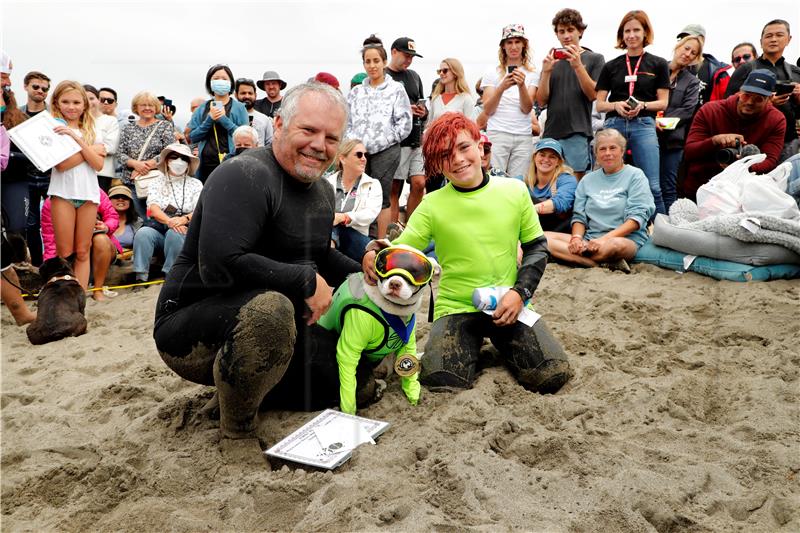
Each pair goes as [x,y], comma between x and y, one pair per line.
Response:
[107,100]
[360,155]
[441,71]
[743,57]
[410,264]
[37,87]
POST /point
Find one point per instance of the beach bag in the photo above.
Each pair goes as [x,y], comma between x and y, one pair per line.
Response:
[143,182]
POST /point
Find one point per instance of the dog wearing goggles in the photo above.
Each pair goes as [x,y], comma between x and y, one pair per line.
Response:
[376,321]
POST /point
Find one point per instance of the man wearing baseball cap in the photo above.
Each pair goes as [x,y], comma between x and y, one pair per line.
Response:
[747,117]
[404,50]
[272,84]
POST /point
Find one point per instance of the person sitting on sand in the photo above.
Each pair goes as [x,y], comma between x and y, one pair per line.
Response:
[477,222]
[612,207]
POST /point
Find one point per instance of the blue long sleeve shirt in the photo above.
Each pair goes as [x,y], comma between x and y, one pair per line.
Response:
[564,196]
[603,202]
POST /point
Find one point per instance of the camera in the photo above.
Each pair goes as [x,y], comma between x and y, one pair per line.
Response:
[131,119]
[726,156]
[783,87]
[560,53]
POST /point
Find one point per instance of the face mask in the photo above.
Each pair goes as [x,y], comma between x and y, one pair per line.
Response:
[177,167]
[220,87]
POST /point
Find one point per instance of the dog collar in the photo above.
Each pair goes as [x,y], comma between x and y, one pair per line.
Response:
[65,277]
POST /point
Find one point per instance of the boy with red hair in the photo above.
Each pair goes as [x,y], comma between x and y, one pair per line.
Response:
[477,223]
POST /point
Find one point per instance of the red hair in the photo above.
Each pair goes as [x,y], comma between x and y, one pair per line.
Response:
[440,140]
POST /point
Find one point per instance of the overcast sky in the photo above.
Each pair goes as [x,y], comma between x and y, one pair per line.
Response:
[167,46]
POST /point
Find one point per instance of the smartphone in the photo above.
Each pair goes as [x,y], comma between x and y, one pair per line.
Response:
[560,53]
[783,87]
[632,102]
[217,103]
[421,102]
[511,68]
[167,102]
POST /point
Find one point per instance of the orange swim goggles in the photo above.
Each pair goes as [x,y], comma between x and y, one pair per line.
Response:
[404,261]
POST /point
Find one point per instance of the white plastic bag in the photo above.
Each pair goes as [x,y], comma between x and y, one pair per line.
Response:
[722,194]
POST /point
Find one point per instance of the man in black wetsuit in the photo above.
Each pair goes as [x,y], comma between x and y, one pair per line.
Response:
[239,307]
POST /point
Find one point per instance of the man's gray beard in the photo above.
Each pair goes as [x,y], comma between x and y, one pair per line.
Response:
[305,177]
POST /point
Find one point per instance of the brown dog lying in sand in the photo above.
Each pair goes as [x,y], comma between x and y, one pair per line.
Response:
[61,304]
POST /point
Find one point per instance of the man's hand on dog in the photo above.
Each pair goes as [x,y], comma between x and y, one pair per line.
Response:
[319,302]
[508,309]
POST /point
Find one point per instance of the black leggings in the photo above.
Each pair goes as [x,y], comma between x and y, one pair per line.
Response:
[532,354]
[250,345]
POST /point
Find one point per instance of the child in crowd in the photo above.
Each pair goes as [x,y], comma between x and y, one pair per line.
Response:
[477,223]
[73,190]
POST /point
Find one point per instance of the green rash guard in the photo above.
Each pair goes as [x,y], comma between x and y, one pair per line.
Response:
[364,333]
[476,234]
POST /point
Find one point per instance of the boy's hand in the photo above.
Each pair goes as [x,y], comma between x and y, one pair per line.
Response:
[508,309]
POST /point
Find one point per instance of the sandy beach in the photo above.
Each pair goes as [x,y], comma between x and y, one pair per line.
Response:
[683,415]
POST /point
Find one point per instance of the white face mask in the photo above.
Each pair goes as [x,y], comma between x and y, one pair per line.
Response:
[177,167]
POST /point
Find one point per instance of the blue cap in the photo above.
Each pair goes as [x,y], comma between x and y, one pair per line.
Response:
[550,144]
[761,81]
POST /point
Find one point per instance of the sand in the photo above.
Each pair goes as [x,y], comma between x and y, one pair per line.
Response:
[682,416]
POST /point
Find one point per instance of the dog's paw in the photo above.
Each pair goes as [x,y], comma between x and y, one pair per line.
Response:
[380,389]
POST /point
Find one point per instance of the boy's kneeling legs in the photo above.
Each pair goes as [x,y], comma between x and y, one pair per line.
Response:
[452,351]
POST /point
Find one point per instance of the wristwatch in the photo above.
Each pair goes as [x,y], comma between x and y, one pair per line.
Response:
[644,106]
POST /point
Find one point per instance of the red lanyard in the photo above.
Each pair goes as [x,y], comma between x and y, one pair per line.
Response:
[634,73]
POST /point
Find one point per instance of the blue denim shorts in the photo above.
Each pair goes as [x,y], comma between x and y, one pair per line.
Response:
[576,152]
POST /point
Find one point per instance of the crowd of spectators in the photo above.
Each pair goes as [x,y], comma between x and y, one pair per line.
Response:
[137,177]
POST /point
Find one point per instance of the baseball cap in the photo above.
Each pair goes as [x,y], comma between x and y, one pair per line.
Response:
[549,144]
[760,81]
[5,62]
[327,77]
[695,30]
[358,78]
[406,45]
[513,30]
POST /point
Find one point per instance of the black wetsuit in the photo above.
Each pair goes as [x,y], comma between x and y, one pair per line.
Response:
[256,230]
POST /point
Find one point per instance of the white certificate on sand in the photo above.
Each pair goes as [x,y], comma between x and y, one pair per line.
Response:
[328,440]
[44,147]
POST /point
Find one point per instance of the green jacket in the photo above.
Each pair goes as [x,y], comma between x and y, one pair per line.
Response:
[364,331]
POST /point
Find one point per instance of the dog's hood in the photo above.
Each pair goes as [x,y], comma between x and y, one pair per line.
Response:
[359,286]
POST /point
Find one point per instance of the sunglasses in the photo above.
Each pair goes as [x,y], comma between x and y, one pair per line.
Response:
[360,155]
[441,71]
[743,57]
[174,156]
[410,264]
[121,197]
[37,87]
[107,100]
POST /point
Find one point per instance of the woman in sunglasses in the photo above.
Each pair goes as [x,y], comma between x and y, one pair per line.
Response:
[452,92]
[358,199]
[212,124]
[171,199]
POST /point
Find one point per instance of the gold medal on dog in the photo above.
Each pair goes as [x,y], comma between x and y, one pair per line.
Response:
[406,365]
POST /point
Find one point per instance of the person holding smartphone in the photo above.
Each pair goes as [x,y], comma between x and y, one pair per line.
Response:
[509,91]
[212,125]
[631,89]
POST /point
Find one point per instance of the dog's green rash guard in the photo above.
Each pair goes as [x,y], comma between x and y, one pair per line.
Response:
[476,234]
[359,332]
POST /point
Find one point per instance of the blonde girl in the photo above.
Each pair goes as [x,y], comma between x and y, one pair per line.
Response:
[74,190]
